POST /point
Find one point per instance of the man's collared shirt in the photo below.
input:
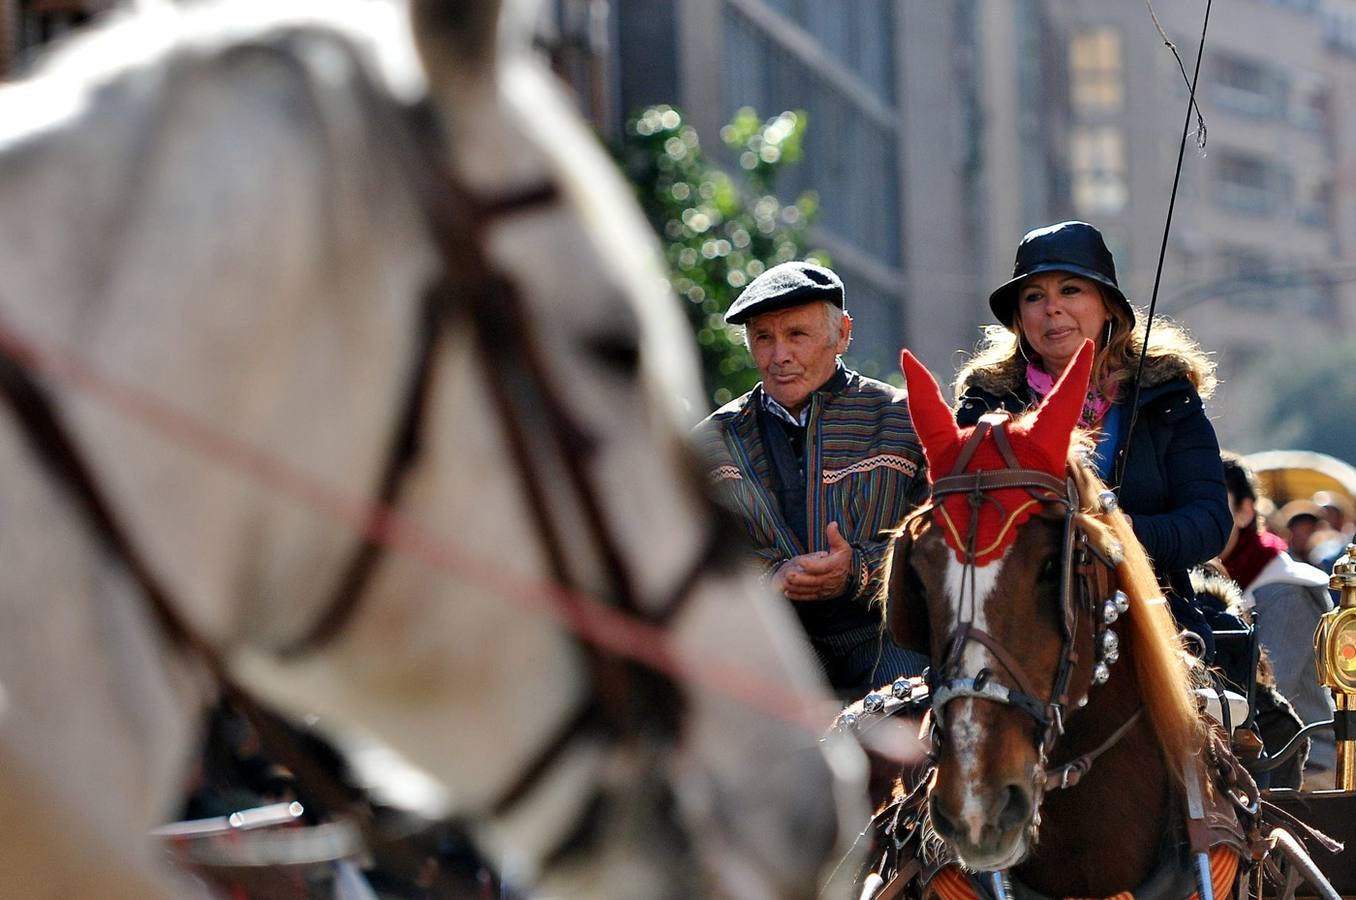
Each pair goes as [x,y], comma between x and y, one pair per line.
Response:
[835,382]
[784,414]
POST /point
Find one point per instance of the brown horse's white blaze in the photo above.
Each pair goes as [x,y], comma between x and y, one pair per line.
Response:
[982,554]
[990,823]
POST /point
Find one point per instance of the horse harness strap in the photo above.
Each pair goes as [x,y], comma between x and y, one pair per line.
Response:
[1041,485]
[950,883]
[987,482]
[1067,775]
[984,686]
[1224,843]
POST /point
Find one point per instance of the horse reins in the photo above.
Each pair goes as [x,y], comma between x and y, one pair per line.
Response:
[626,701]
[1084,578]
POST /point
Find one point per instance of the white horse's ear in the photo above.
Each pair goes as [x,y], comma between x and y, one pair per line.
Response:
[456,38]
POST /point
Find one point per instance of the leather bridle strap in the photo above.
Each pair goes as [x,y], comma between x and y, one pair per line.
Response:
[401,457]
[1033,480]
[625,699]
[52,447]
[1071,772]
[1042,486]
[515,372]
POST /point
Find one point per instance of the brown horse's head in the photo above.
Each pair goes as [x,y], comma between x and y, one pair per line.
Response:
[1004,580]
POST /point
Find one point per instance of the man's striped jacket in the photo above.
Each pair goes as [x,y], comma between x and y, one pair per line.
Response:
[868,473]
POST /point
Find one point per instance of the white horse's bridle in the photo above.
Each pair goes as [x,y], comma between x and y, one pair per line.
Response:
[625,701]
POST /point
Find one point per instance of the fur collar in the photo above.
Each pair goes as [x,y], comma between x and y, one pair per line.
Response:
[1009,375]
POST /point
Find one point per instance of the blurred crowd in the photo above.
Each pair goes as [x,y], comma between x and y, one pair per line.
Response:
[1316,529]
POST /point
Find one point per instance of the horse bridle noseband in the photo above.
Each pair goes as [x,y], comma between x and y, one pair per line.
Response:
[1085,577]
[626,701]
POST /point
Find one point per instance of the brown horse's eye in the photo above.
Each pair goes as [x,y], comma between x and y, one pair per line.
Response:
[1049,570]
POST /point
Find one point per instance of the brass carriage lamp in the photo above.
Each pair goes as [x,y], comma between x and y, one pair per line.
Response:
[1335,656]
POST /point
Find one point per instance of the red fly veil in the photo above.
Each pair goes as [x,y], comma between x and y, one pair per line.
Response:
[1039,441]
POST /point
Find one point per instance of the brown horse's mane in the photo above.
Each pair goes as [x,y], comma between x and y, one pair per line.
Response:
[1166,678]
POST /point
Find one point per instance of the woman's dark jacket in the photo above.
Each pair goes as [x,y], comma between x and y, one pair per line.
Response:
[1173,481]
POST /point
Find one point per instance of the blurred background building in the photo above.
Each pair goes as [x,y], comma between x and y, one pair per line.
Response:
[26,25]
[941,130]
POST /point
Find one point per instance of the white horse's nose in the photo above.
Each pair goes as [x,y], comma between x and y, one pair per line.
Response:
[809,804]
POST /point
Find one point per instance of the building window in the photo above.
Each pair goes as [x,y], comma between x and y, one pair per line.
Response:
[1095,71]
[1245,183]
[1312,108]
[1249,279]
[1245,278]
[1248,87]
[850,156]
[1099,175]
[1313,206]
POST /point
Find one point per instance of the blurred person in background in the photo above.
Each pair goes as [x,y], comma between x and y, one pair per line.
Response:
[1337,511]
[1287,597]
[1305,527]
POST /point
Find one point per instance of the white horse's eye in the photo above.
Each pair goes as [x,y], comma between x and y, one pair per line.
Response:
[617,351]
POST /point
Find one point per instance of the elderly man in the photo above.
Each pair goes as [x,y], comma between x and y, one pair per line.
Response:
[819,463]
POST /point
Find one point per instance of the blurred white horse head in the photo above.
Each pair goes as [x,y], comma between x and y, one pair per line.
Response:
[219,208]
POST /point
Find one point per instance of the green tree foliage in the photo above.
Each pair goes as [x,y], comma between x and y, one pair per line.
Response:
[719,232]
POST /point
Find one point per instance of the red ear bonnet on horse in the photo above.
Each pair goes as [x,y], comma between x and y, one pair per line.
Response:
[1039,441]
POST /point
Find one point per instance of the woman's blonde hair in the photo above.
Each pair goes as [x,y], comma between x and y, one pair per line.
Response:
[1166,674]
[1117,354]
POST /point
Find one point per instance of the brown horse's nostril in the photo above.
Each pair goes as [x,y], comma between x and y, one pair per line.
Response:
[1015,809]
[1011,808]
[943,822]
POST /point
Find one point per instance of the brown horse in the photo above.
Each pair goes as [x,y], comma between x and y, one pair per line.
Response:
[1061,703]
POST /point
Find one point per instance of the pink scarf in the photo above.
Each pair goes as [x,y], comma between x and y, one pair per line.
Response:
[1095,404]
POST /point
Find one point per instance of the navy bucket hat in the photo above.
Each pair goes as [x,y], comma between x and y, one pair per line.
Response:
[785,285]
[1075,247]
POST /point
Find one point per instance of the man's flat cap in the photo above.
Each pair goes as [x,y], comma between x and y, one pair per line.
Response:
[785,285]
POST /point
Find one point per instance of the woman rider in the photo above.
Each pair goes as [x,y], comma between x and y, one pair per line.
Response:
[1167,470]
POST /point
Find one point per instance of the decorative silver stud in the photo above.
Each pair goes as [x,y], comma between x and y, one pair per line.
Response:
[1110,612]
[1122,601]
[1111,647]
[902,689]
[1100,673]
[1109,501]
[873,702]
[848,720]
